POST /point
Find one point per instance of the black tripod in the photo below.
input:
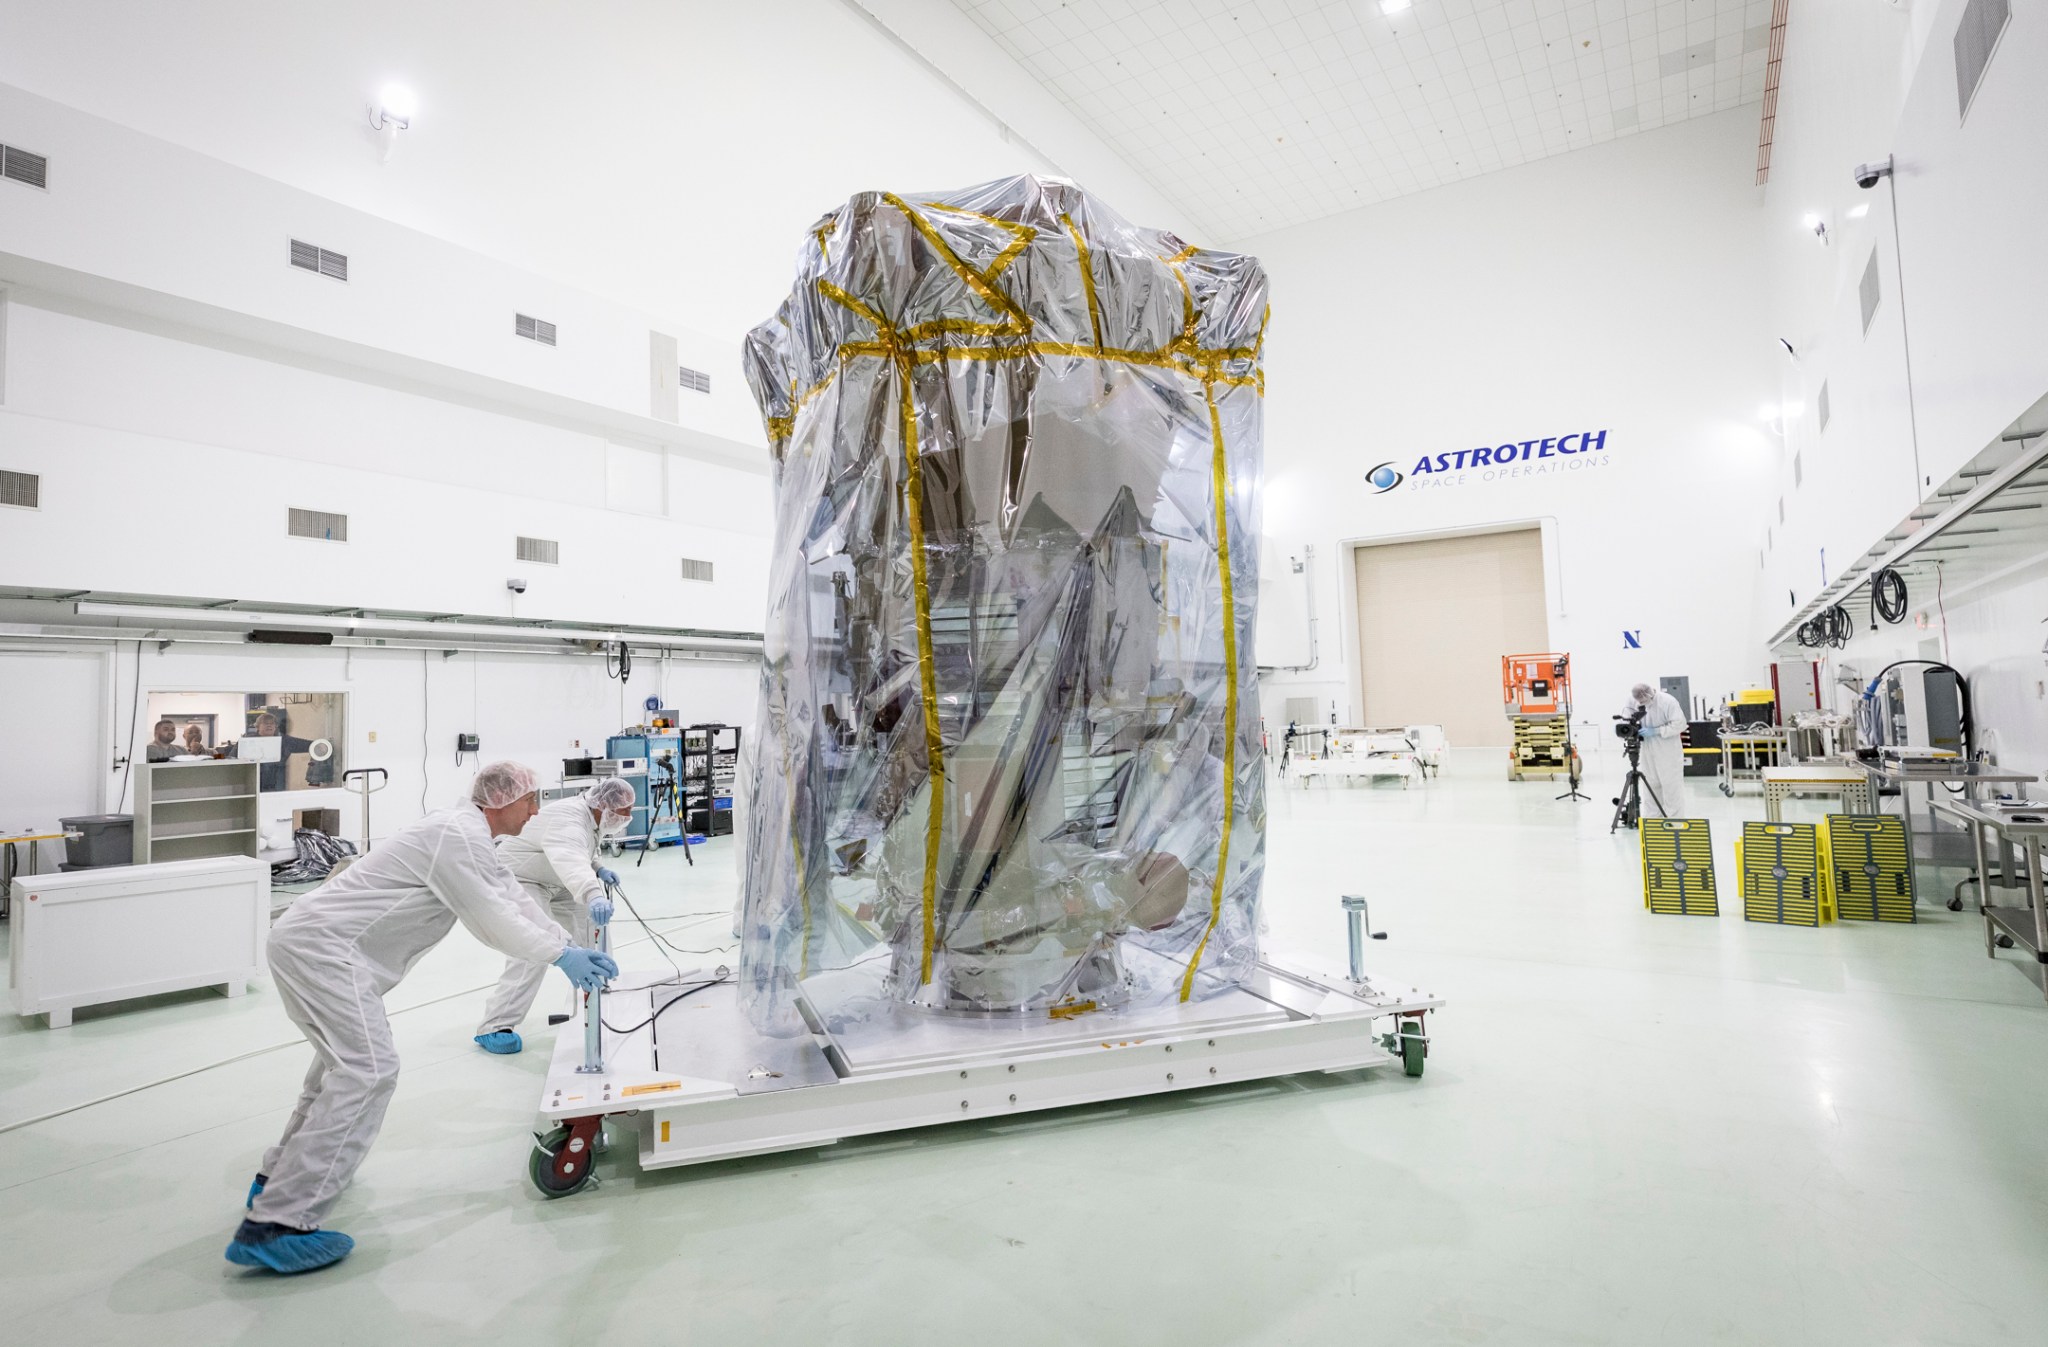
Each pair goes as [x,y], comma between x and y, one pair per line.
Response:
[1628,806]
[1571,747]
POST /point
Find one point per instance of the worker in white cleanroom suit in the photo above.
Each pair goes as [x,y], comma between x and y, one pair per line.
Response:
[1663,752]
[335,954]
[554,858]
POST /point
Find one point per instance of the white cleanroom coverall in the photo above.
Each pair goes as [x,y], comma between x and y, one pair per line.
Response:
[1663,757]
[554,858]
[335,953]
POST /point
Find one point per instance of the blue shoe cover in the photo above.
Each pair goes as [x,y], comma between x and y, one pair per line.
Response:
[283,1249]
[255,1187]
[504,1042]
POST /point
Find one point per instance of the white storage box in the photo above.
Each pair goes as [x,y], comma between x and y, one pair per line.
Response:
[92,936]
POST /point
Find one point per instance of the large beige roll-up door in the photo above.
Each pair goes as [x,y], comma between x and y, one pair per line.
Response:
[1434,618]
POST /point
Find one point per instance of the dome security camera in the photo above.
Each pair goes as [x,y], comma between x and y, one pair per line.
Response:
[516,585]
[1867,175]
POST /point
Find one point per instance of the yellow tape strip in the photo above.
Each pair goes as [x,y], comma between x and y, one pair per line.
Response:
[1021,236]
[934,751]
[1087,281]
[976,282]
[844,300]
[1219,472]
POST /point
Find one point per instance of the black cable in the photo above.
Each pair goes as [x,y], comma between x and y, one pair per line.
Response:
[1887,597]
[134,705]
[1969,719]
[621,666]
[636,1028]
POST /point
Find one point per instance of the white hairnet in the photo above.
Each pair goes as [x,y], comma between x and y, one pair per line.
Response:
[613,795]
[501,783]
[1643,692]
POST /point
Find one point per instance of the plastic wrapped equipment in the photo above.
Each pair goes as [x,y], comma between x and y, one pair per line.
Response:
[1009,752]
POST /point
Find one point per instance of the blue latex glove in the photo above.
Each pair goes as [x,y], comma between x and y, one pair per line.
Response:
[586,967]
[605,876]
[600,910]
[1652,731]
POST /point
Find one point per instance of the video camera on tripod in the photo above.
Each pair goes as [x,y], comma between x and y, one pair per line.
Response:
[1628,806]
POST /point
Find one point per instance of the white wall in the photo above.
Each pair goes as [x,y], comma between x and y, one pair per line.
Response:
[1964,283]
[666,156]
[1615,288]
[168,468]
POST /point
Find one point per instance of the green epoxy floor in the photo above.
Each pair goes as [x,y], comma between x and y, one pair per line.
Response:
[1633,1130]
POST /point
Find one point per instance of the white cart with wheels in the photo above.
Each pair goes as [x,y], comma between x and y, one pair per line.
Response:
[702,1084]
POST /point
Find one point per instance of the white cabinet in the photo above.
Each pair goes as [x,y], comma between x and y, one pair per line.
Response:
[188,810]
[114,932]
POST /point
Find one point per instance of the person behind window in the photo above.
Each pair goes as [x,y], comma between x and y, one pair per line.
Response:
[164,745]
[271,723]
[195,742]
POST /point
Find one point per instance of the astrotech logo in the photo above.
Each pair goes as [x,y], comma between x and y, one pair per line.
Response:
[1385,478]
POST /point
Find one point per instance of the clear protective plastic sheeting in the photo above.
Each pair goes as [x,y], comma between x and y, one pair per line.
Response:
[1009,750]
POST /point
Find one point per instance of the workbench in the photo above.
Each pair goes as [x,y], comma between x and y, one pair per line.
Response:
[1816,778]
[1971,776]
[2007,923]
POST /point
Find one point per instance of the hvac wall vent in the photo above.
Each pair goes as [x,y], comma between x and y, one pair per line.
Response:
[1867,291]
[1798,476]
[308,257]
[320,524]
[30,170]
[696,570]
[533,329]
[1822,404]
[23,490]
[696,380]
[546,551]
[1977,37]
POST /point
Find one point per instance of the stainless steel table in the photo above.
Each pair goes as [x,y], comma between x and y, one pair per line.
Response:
[1971,776]
[2026,926]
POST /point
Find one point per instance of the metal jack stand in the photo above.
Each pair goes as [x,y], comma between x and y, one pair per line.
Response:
[563,1161]
[1409,1041]
[1361,926]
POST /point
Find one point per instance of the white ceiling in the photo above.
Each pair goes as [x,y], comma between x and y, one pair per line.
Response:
[1259,116]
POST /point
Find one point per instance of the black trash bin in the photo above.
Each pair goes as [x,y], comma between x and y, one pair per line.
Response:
[109,839]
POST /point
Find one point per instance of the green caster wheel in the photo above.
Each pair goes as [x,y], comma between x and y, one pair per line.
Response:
[546,1174]
[1413,1048]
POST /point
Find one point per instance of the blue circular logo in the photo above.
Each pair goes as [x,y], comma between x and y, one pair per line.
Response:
[1385,477]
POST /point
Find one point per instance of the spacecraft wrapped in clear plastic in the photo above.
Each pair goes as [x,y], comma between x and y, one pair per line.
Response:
[1008,750]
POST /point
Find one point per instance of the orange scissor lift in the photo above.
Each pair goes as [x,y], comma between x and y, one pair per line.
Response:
[1536,691]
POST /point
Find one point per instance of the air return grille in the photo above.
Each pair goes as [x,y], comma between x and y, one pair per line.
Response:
[1976,37]
[696,570]
[696,380]
[545,551]
[318,524]
[1868,292]
[309,257]
[1823,405]
[533,329]
[31,170]
[23,490]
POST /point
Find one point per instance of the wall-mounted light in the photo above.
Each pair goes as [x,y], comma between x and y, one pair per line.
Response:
[393,110]
[1816,226]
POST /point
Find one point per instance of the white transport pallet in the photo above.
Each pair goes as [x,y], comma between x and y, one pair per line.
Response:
[706,1086]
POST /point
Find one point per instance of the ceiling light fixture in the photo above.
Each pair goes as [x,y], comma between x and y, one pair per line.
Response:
[1817,226]
[393,110]
[1859,210]
[1394,6]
